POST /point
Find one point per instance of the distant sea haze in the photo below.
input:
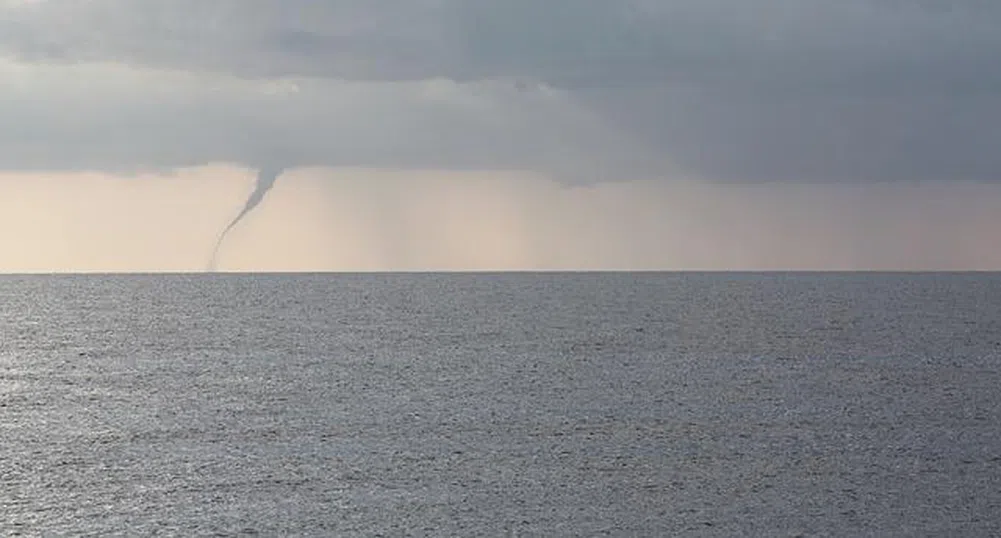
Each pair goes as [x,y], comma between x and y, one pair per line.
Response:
[546,404]
[370,220]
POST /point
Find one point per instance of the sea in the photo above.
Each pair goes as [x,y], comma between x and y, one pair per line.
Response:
[509,404]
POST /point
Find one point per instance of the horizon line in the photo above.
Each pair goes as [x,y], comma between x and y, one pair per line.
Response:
[196,272]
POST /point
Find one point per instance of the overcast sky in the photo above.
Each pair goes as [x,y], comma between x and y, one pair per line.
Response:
[582,92]
[803,90]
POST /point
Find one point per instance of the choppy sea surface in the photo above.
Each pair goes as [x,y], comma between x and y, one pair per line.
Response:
[621,404]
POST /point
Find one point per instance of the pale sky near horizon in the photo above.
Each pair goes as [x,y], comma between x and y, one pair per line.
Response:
[493,135]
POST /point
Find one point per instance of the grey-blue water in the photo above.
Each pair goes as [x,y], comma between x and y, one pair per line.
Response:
[501,405]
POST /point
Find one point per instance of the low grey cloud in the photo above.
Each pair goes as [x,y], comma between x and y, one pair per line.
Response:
[115,118]
[857,90]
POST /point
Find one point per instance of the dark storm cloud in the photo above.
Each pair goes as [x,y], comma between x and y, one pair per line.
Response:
[113,118]
[773,89]
[812,138]
[809,45]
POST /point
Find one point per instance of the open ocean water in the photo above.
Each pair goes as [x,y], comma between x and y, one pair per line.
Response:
[622,404]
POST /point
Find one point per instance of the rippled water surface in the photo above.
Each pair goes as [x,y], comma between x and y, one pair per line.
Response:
[517,404]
